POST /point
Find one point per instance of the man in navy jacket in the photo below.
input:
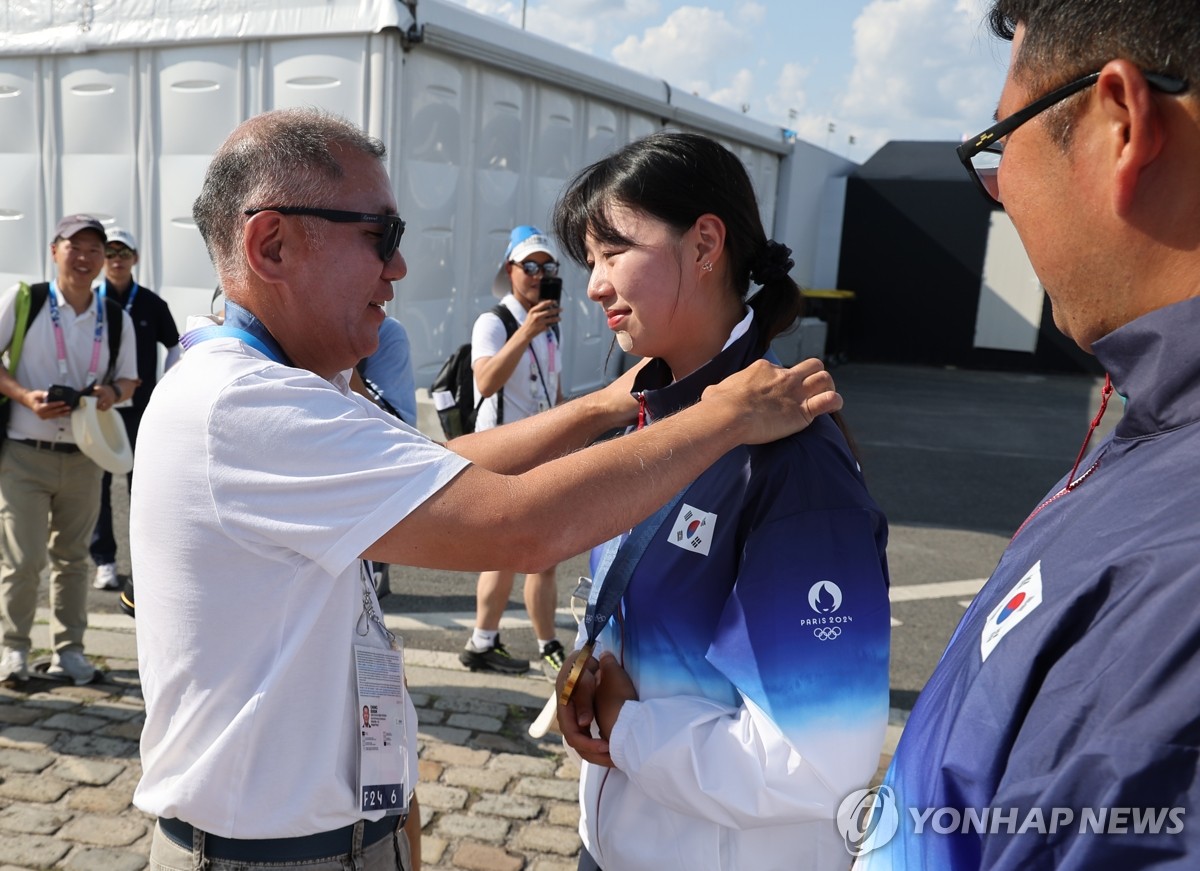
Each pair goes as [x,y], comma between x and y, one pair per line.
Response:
[1061,728]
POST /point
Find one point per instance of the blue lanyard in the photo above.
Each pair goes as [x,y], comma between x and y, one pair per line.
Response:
[620,558]
[132,294]
[239,324]
[60,341]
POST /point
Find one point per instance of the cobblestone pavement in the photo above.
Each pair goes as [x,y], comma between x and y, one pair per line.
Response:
[492,798]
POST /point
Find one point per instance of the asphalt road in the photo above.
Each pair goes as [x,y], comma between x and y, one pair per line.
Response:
[957,459]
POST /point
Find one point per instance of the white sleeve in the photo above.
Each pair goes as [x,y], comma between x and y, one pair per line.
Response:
[731,766]
[487,336]
[300,489]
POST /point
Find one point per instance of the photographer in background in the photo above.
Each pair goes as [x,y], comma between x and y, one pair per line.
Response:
[49,490]
[517,376]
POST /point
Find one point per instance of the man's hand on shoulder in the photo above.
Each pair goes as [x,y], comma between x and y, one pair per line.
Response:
[769,402]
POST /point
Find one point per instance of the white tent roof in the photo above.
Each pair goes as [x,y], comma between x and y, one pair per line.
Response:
[69,26]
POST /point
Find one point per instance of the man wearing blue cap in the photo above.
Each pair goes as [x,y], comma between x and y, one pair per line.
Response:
[516,376]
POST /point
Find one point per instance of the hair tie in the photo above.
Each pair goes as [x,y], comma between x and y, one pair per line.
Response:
[773,263]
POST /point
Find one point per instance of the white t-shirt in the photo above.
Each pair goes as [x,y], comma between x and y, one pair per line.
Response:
[257,488]
[38,367]
[524,388]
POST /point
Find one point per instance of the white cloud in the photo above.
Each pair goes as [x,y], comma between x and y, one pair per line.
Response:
[585,25]
[919,66]
[751,13]
[789,95]
[738,94]
[682,49]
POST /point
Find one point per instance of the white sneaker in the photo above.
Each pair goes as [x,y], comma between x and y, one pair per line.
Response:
[74,665]
[14,665]
[106,577]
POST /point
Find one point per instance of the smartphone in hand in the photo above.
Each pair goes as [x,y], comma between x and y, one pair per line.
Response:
[551,289]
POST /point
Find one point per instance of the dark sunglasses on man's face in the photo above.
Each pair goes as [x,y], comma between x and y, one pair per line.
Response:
[389,241]
[981,155]
[532,268]
[119,254]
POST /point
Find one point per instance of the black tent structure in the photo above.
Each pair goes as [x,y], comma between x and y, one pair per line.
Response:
[915,238]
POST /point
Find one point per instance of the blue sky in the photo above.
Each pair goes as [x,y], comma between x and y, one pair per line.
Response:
[876,69]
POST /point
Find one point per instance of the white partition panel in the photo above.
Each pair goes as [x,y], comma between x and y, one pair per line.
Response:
[501,152]
[97,136]
[200,98]
[328,73]
[433,150]
[24,226]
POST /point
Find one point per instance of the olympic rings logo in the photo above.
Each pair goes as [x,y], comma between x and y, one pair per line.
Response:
[827,633]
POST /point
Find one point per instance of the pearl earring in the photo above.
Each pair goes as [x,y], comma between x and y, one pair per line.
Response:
[706,266]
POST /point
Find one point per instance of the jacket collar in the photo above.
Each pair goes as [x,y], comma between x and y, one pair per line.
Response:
[664,396]
[1154,362]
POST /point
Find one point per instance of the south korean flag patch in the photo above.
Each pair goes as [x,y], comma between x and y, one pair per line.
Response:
[693,529]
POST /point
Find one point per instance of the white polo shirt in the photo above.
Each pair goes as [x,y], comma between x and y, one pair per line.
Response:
[38,366]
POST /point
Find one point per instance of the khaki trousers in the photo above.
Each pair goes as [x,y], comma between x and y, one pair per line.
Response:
[49,502]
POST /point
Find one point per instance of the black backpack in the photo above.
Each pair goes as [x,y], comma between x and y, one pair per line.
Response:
[453,389]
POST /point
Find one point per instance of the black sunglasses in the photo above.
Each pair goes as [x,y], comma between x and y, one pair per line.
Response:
[393,226]
[531,268]
[981,154]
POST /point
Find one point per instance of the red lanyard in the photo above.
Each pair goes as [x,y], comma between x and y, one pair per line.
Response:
[1072,481]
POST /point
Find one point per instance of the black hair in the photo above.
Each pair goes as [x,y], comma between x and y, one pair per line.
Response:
[675,178]
[1068,39]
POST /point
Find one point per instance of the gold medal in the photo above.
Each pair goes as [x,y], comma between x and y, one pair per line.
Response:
[585,653]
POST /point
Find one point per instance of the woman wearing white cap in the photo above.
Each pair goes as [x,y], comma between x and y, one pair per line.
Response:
[517,376]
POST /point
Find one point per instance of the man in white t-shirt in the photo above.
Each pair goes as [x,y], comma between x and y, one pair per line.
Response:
[517,376]
[263,484]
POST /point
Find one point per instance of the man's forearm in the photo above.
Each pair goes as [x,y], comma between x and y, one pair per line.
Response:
[10,387]
[518,447]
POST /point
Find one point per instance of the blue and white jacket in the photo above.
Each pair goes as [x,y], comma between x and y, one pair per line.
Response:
[755,628]
[1061,728]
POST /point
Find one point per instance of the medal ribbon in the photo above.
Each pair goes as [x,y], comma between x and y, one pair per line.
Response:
[620,558]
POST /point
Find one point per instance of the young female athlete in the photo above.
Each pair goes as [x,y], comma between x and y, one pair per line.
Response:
[739,690]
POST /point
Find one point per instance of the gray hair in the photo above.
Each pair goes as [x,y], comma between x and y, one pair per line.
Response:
[282,157]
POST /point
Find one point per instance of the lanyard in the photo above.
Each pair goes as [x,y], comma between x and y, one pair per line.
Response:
[129,302]
[369,615]
[60,340]
[239,324]
[620,558]
[550,363]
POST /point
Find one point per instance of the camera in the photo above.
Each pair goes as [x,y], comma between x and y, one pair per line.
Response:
[69,395]
[551,288]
